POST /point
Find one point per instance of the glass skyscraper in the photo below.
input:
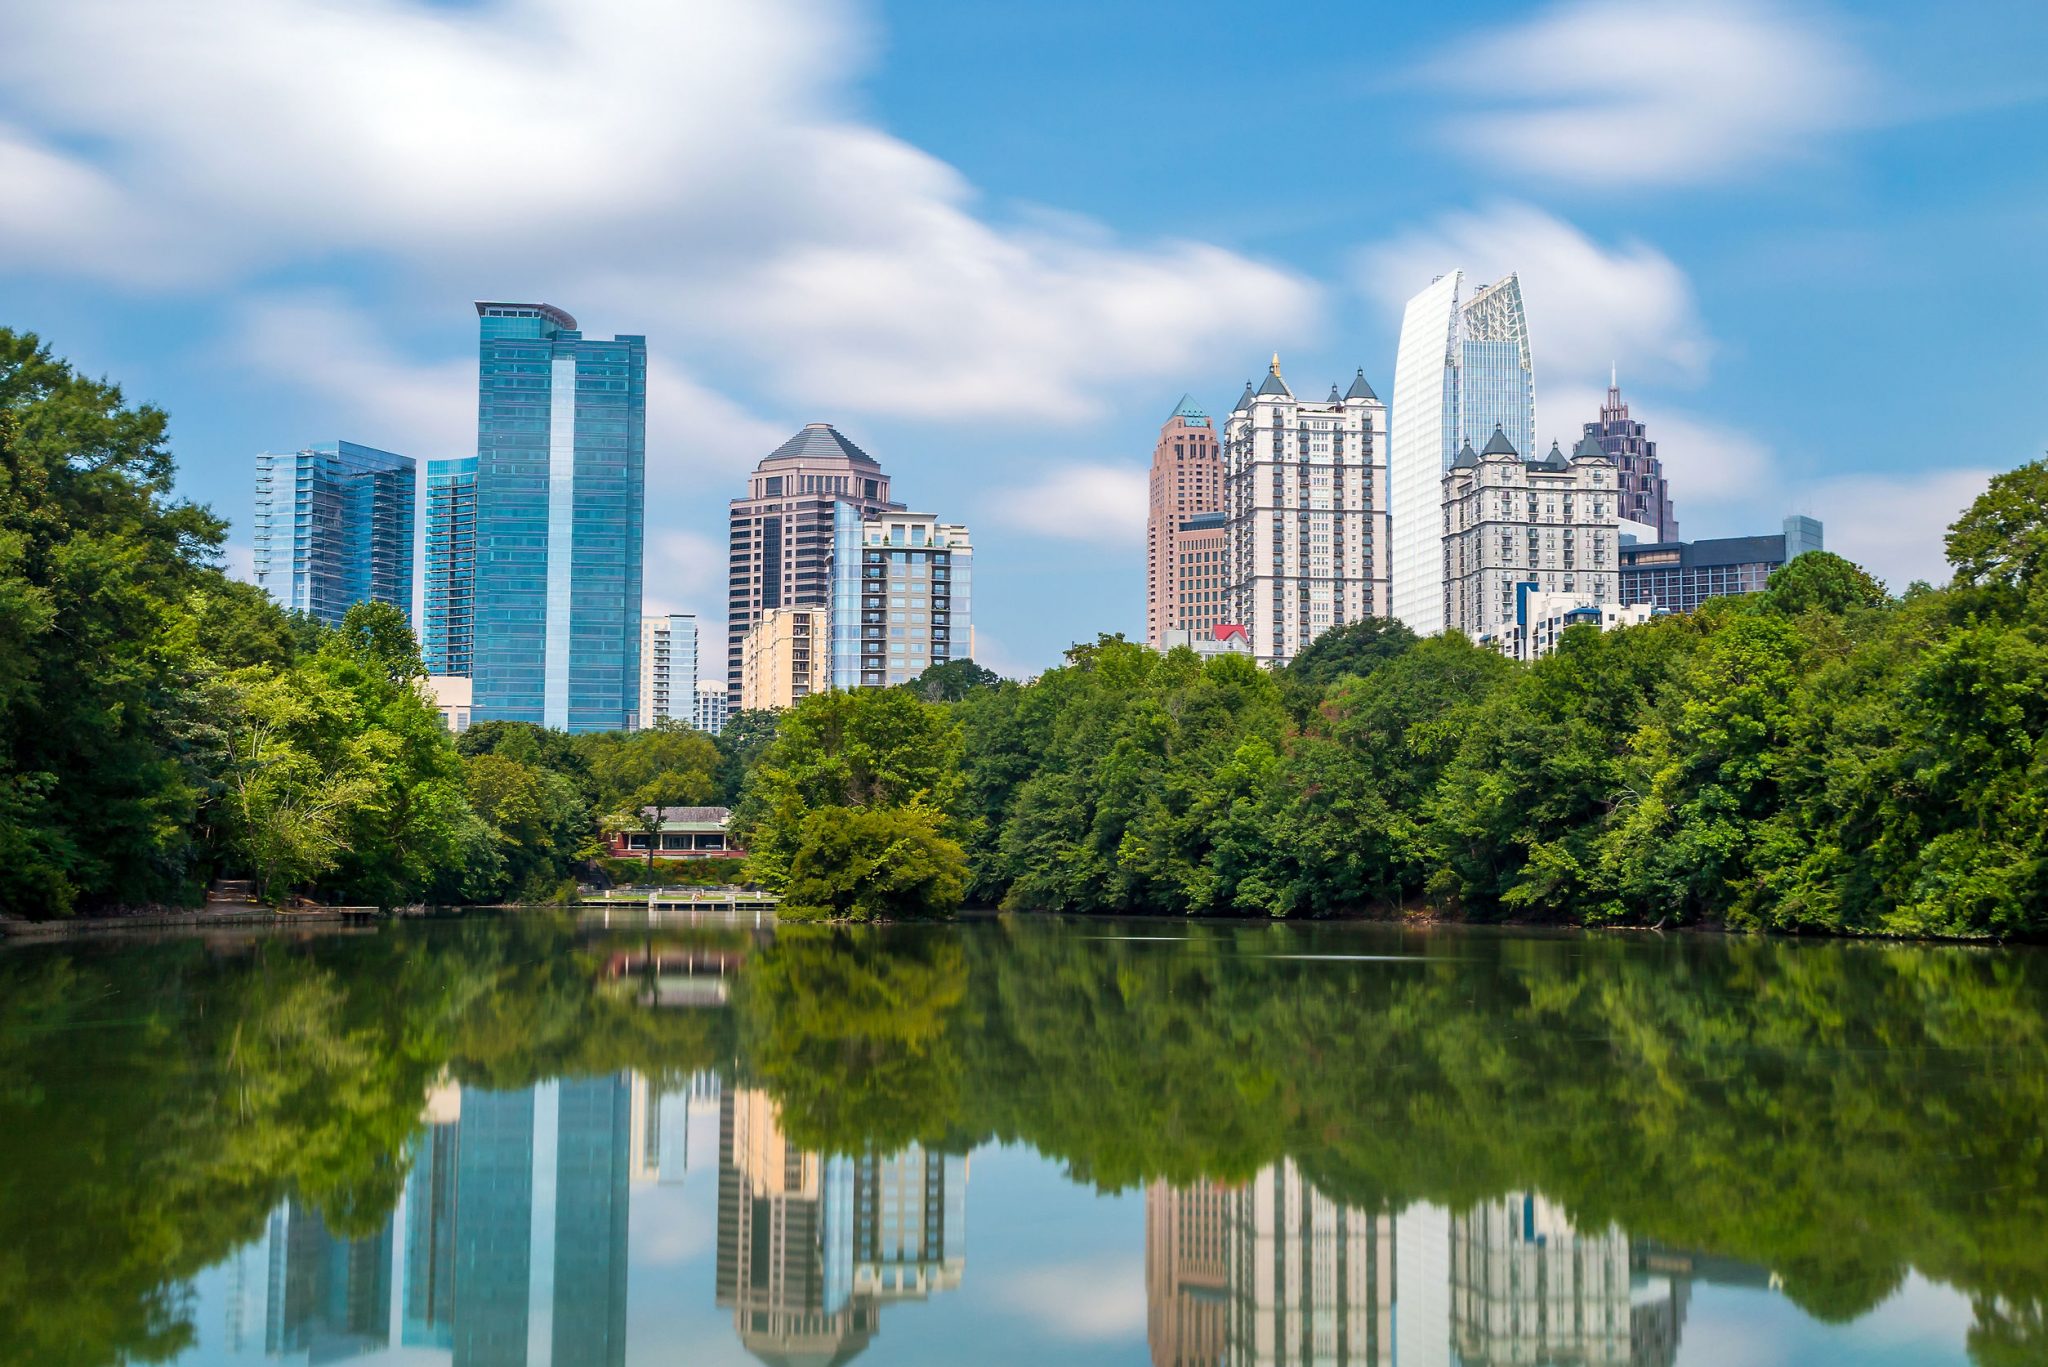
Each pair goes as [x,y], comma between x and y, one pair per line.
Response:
[334,527]
[448,628]
[560,477]
[902,596]
[1463,367]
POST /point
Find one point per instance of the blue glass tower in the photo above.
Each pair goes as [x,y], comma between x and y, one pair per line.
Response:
[560,476]
[333,528]
[448,625]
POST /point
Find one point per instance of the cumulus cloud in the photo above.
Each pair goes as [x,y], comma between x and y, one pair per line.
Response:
[685,572]
[1893,525]
[1088,1300]
[1612,92]
[1588,303]
[1079,502]
[690,169]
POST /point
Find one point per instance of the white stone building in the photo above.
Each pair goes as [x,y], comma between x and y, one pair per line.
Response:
[713,704]
[1513,527]
[1544,617]
[1305,497]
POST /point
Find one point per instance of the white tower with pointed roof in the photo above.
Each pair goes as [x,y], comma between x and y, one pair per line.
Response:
[1305,503]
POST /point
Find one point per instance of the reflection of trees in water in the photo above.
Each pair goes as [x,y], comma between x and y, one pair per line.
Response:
[1837,1113]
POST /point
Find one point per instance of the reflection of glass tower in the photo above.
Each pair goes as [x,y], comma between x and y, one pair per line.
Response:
[809,1246]
[1462,367]
[329,1297]
[429,1302]
[1527,1287]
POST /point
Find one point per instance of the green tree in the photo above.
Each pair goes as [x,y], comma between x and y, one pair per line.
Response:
[2002,539]
[952,681]
[1824,582]
[863,864]
[98,686]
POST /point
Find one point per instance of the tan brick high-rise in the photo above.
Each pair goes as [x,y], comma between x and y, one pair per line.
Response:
[1187,481]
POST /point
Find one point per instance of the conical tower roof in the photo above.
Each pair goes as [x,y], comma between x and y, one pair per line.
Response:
[1335,397]
[1588,449]
[1468,459]
[1186,408]
[1498,444]
[1360,389]
[1246,401]
[1555,460]
[1274,384]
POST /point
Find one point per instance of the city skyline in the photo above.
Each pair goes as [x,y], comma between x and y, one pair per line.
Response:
[1006,313]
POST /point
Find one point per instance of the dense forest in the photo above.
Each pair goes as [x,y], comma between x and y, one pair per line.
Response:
[1838,1114]
[1823,756]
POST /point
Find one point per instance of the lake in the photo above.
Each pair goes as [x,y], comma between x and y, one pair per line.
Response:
[550,1139]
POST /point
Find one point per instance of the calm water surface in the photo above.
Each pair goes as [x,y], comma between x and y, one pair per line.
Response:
[549,1140]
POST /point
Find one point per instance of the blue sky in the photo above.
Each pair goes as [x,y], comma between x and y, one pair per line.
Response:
[994,244]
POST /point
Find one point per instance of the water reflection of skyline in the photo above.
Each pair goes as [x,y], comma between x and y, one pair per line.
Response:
[509,1247]
[1272,1271]
[509,1244]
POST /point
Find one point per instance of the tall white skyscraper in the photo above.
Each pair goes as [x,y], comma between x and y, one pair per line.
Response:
[1304,495]
[668,669]
[1463,368]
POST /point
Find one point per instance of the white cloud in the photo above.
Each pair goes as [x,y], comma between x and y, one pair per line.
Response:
[685,572]
[1893,525]
[1088,1300]
[1100,503]
[1617,93]
[238,559]
[321,346]
[689,170]
[1588,304]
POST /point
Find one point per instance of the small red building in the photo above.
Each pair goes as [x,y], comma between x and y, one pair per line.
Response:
[686,833]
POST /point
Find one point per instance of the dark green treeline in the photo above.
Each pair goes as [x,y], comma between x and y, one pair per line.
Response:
[1839,1113]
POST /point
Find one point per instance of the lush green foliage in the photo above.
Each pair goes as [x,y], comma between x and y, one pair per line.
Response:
[853,809]
[1819,756]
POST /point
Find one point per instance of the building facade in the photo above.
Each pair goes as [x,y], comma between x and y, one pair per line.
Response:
[448,619]
[560,483]
[780,535]
[1541,620]
[1462,369]
[1678,576]
[1199,579]
[902,596]
[1528,1287]
[1645,495]
[1225,639]
[1513,527]
[1310,1280]
[1186,484]
[452,696]
[333,528]
[1305,503]
[668,669]
[784,657]
[712,706]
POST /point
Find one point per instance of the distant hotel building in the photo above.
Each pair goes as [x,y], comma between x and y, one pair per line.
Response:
[1645,494]
[1513,527]
[1305,499]
[784,657]
[781,534]
[1186,499]
[668,669]
[711,708]
[448,626]
[560,479]
[902,596]
[1678,576]
[1463,368]
[333,528]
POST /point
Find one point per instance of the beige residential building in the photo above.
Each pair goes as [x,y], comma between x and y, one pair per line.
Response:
[1187,495]
[1305,498]
[1513,527]
[783,657]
